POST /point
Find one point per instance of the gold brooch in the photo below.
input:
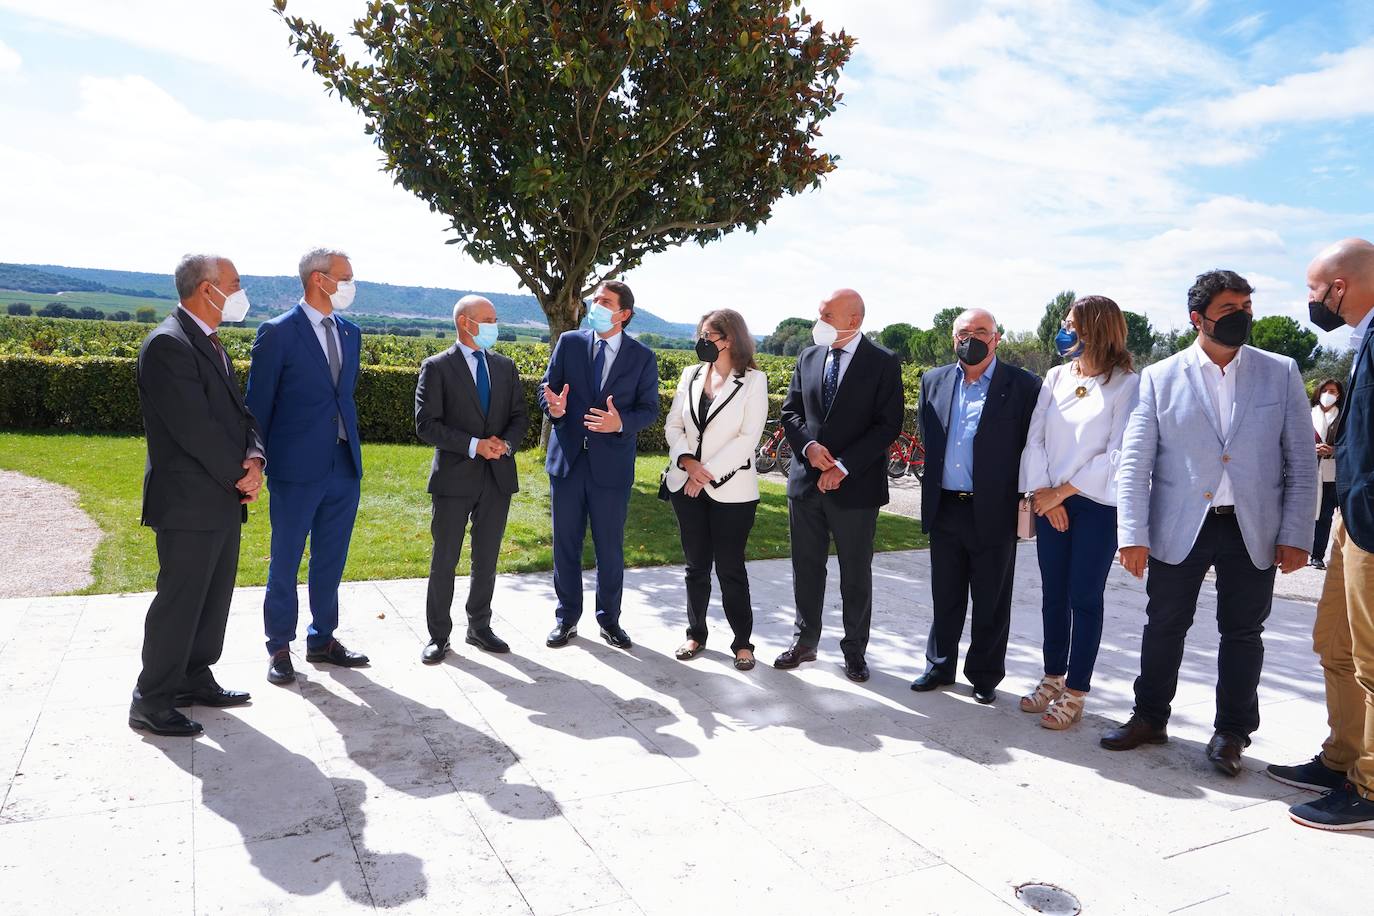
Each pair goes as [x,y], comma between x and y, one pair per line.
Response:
[1081,391]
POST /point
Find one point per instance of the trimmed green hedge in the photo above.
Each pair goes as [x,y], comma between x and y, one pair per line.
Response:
[100,394]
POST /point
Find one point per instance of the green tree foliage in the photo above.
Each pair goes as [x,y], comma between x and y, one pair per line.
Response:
[898,338]
[19,308]
[146,314]
[1055,310]
[790,337]
[1140,337]
[1281,334]
[121,315]
[1329,364]
[1022,348]
[568,140]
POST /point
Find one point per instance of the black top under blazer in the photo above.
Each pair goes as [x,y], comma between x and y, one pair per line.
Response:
[862,423]
[1355,450]
[198,430]
[997,445]
[448,415]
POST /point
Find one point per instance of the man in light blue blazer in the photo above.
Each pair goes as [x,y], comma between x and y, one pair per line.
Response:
[1217,472]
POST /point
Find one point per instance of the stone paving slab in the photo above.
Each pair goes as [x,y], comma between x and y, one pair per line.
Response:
[590,780]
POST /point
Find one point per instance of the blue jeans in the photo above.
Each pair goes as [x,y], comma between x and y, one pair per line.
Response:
[1073,575]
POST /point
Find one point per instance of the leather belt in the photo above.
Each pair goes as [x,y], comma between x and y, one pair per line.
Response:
[1222,510]
[961,495]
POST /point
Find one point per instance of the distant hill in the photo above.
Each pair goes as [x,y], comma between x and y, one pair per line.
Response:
[276,294]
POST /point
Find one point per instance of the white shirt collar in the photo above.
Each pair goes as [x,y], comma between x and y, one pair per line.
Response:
[200,324]
[1203,360]
[1362,328]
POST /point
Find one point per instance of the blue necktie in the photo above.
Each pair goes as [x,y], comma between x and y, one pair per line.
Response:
[599,363]
[483,381]
[832,380]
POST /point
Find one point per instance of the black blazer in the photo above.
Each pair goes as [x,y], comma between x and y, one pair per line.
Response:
[996,446]
[449,417]
[1355,451]
[864,419]
[198,430]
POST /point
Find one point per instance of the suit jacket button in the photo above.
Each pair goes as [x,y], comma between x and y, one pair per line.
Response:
[1225,459]
[1206,495]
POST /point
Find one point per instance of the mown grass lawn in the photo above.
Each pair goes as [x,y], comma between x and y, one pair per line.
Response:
[391,539]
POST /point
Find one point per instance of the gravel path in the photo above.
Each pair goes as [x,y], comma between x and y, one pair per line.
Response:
[46,541]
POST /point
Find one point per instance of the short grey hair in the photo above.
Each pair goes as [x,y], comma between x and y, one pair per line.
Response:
[194,269]
[317,259]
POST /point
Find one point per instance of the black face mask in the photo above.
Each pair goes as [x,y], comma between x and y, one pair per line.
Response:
[1323,317]
[707,351]
[971,351]
[1231,330]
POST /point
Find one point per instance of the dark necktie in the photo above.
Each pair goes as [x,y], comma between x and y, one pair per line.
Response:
[832,379]
[599,363]
[331,347]
[483,381]
[219,349]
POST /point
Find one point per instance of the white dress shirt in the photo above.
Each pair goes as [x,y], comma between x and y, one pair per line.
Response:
[1357,338]
[1221,385]
[612,350]
[1077,440]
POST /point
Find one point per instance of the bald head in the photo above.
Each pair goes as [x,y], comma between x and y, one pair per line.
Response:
[975,318]
[1343,275]
[844,311]
[468,313]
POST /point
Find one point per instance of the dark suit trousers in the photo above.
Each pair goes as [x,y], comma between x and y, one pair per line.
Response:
[1244,596]
[813,521]
[715,533]
[487,511]
[183,633]
[574,501]
[961,565]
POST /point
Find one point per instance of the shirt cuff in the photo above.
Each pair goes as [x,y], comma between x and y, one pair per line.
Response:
[840,464]
[255,453]
[472,448]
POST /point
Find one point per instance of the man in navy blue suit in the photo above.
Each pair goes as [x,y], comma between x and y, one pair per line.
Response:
[600,390]
[300,389]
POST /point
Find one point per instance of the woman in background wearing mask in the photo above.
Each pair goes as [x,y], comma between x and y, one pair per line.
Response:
[1070,465]
[1326,409]
[713,427]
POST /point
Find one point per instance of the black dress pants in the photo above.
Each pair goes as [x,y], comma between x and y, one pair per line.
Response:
[1244,596]
[813,520]
[183,633]
[962,566]
[715,533]
[487,511]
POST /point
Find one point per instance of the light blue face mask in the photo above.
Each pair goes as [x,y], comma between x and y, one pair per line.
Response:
[485,338]
[599,317]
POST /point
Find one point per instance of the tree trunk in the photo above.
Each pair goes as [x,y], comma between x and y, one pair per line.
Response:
[563,314]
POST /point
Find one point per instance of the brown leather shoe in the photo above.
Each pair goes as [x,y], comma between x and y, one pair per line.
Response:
[795,655]
[1133,734]
[1224,752]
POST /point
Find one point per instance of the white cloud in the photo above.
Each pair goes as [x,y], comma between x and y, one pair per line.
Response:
[1340,89]
[10,61]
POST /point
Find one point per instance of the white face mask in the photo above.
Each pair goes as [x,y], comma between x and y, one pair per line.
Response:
[235,307]
[342,297]
[1328,399]
[825,334]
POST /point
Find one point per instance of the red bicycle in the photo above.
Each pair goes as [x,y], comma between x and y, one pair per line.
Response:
[774,451]
[905,456]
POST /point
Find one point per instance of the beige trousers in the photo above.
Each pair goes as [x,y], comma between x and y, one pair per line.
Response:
[1343,637]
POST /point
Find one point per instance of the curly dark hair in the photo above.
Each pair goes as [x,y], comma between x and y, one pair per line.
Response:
[1206,287]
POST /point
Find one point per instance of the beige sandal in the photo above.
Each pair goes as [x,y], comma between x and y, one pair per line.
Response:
[1047,691]
[1063,712]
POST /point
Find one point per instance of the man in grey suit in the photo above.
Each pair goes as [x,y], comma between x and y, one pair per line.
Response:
[470,406]
[1217,472]
[205,459]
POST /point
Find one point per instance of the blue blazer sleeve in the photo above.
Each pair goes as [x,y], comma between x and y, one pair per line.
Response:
[644,412]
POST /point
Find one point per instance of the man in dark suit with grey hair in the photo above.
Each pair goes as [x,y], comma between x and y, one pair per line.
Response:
[205,459]
[470,406]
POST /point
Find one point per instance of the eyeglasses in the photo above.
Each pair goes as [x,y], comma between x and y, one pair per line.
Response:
[981,334]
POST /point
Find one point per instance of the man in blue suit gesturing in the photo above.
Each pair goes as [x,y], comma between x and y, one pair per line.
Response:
[300,389]
[600,390]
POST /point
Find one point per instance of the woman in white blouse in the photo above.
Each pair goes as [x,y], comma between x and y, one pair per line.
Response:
[1069,464]
[1326,409]
[713,428]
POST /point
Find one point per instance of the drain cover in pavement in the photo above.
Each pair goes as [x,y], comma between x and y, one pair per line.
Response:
[1049,899]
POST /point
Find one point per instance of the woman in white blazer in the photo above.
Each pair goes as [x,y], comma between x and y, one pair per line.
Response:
[713,429]
[1327,401]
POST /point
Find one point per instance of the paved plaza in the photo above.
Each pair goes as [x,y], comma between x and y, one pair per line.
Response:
[591,780]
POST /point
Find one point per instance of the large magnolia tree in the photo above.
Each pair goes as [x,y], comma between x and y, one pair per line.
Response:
[570,139]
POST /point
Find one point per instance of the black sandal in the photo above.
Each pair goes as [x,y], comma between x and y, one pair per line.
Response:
[744,664]
[684,654]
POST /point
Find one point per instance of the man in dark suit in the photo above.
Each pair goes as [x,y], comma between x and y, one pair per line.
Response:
[300,387]
[975,414]
[842,411]
[599,391]
[470,406]
[205,459]
[1340,283]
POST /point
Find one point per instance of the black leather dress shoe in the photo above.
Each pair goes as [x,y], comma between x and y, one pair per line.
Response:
[487,641]
[336,653]
[434,652]
[280,670]
[213,696]
[930,681]
[560,635]
[794,656]
[616,637]
[1133,734]
[163,722]
[856,669]
[1224,751]
[984,695]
